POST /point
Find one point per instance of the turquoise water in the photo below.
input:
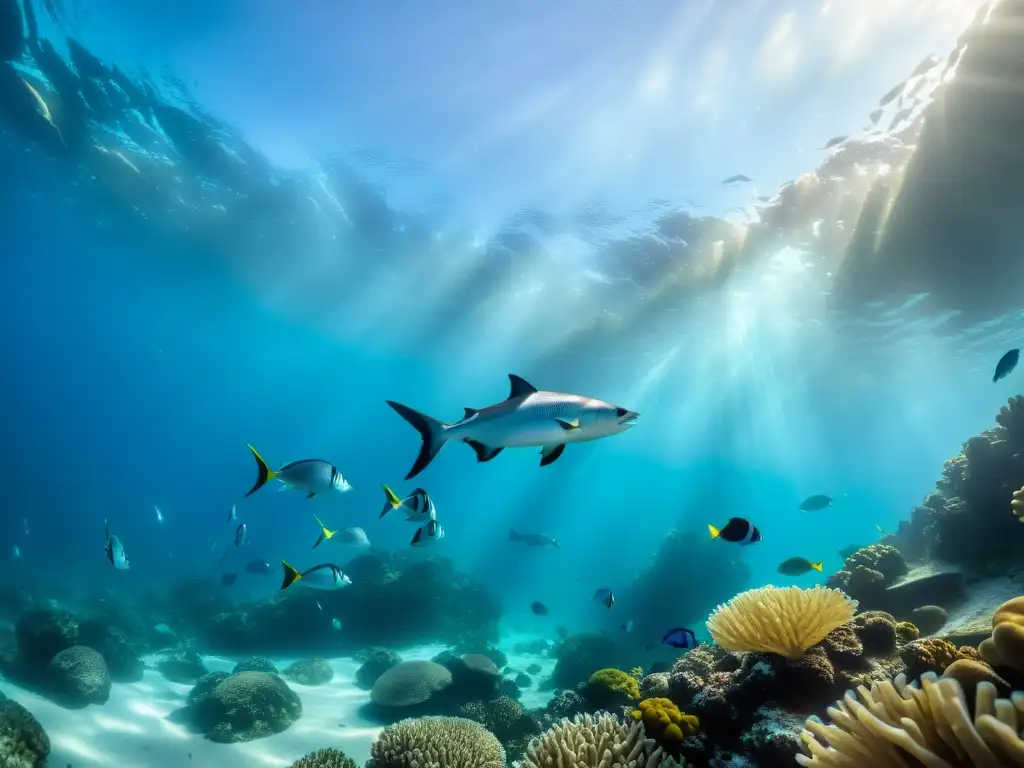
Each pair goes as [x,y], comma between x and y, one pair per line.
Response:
[304,212]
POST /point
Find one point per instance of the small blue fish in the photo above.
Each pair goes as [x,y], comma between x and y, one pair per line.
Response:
[605,597]
[680,637]
[159,514]
[1006,365]
[114,549]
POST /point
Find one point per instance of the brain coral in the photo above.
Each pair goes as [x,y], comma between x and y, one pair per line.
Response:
[23,742]
[249,705]
[596,741]
[611,684]
[410,683]
[895,724]
[326,758]
[80,676]
[786,621]
[437,742]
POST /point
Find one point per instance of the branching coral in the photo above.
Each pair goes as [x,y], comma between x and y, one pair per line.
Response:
[786,621]
[440,742]
[664,723]
[596,741]
[896,724]
[326,758]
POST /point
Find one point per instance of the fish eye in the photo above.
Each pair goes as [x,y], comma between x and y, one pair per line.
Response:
[620,412]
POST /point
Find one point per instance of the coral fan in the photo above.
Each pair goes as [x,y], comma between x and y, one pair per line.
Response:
[896,723]
[785,621]
[664,723]
[325,758]
[441,742]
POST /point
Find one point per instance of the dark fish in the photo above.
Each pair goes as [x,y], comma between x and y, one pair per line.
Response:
[257,567]
[680,637]
[739,178]
[1006,364]
[846,552]
[798,566]
[533,539]
[892,93]
[875,116]
[605,596]
[834,141]
[562,632]
[538,608]
[737,531]
[927,63]
[815,503]
[227,579]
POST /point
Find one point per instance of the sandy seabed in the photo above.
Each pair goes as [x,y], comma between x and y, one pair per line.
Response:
[132,730]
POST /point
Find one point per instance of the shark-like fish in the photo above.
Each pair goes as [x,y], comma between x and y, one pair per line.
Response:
[527,418]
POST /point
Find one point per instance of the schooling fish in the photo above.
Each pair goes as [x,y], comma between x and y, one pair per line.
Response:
[680,637]
[1006,365]
[159,514]
[604,596]
[538,608]
[323,576]
[815,503]
[310,475]
[114,549]
[227,579]
[418,506]
[233,514]
[258,567]
[527,418]
[798,566]
[431,533]
[349,537]
[533,539]
[737,531]
[241,535]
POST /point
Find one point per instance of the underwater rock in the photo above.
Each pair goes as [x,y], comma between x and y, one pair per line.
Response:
[877,632]
[534,669]
[929,619]
[23,742]
[933,654]
[476,648]
[12,39]
[182,667]
[118,651]
[246,706]
[255,664]
[773,740]
[578,656]
[523,680]
[375,662]
[78,676]
[410,687]
[42,634]
[204,687]
[925,585]
[310,672]
[474,677]
[538,647]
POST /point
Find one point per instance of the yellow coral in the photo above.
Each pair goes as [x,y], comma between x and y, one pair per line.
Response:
[637,672]
[786,621]
[664,723]
[1006,646]
[1017,505]
[616,681]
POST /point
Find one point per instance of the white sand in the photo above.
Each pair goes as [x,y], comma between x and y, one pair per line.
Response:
[131,729]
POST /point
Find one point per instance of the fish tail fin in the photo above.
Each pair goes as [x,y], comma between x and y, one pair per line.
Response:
[431,430]
[715,533]
[818,565]
[291,575]
[391,500]
[265,473]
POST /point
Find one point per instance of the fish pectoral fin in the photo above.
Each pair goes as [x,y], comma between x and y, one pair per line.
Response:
[571,424]
[483,452]
[549,454]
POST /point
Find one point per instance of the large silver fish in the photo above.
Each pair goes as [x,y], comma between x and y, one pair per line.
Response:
[310,475]
[527,418]
[114,549]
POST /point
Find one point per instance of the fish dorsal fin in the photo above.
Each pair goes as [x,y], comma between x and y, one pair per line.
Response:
[520,387]
[470,412]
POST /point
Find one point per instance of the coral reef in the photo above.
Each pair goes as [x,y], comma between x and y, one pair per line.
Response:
[900,724]
[184,667]
[1004,650]
[784,621]
[868,572]
[375,662]
[78,677]
[933,654]
[440,742]
[255,664]
[23,742]
[506,718]
[596,741]
[309,672]
[325,758]
[243,707]
[608,688]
